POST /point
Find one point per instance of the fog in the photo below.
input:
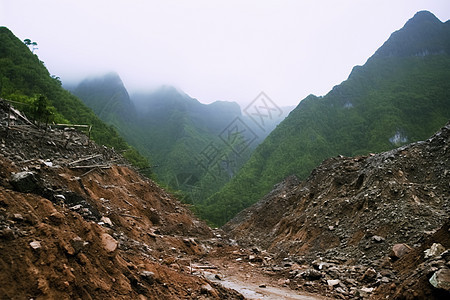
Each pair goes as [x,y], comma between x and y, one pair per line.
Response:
[212,50]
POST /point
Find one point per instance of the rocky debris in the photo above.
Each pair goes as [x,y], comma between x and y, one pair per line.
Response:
[77,222]
[361,217]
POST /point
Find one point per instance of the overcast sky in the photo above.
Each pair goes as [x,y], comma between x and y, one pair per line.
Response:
[212,50]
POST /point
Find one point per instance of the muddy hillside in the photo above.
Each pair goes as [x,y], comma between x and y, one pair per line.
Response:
[359,226]
[76,222]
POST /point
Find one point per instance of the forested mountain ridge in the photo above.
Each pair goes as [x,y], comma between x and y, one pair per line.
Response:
[172,129]
[188,142]
[25,79]
[107,96]
[401,95]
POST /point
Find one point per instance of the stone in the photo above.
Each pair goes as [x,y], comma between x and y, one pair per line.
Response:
[435,250]
[399,250]
[333,282]
[78,244]
[35,245]
[24,182]
[441,279]
[148,276]
[369,275]
[312,274]
[60,197]
[207,289]
[107,221]
[367,290]
[56,218]
[109,243]
[377,239]
[17,217]
[254,258]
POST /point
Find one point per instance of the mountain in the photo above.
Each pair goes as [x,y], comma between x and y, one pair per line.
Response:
[401,95]
[183,138]
[195,148]
[107,97]
[25,79]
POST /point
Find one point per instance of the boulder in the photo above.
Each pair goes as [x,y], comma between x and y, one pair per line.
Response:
[435,250]
[109,243]
[312,274]
[24,182]
[441,279]
[399,250]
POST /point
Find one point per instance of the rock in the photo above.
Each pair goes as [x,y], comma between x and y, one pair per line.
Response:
[441,279]
[254,258]
[377,238]
[364,292]
[262,286]
[17,217]
[282,281]
[107,221]
[333,282]
[435,250]
[24,182]
[35,245]
[208,290]
[399,250]
[78,244]
[109,243]
[369,276]
[312,274]
[56,218]
[148,276]
[60,197]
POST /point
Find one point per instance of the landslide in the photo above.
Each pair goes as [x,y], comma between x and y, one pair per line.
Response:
[345,219]
[76,222]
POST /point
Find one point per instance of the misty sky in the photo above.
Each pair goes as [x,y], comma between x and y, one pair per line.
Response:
[212,50]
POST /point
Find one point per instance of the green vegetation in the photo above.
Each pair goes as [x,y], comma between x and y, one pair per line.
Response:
[401,95]
[173,130]
[24,78]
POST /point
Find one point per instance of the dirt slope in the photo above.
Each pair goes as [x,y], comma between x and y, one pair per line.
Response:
[77,223]
[350,212]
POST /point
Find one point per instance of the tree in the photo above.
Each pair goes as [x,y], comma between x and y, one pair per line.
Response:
[30,44]
[41,108]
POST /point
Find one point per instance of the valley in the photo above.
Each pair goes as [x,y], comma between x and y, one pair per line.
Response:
[155,195]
